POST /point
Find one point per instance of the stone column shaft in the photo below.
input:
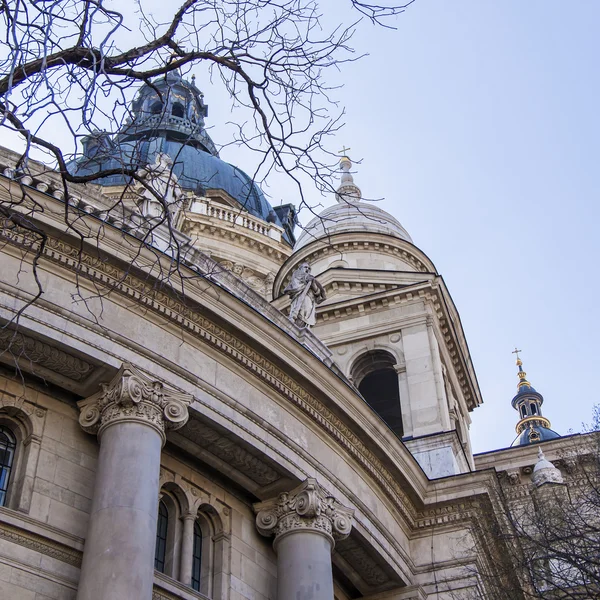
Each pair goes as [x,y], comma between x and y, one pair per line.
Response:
[187,549]
[306,523]
[129,416]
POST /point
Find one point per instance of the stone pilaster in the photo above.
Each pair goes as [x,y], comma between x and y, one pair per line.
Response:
[130,416]
[306,523]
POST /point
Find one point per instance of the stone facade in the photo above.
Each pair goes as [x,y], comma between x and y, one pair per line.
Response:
[179,423]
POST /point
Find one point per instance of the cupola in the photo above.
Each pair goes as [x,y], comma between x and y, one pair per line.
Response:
[532,427]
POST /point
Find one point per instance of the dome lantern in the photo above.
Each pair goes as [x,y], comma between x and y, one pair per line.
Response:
[532,427]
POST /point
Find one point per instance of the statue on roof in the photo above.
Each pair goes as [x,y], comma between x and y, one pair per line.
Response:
[306,292]
[159,178]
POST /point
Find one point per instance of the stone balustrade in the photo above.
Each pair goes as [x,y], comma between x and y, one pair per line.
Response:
[235,217]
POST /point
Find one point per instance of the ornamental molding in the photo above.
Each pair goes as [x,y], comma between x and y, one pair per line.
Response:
[187,316]
[362,562]
[309,507]
[223,447]
[401,249]
[243,237]
[41,544]
[22,347]
[132,396]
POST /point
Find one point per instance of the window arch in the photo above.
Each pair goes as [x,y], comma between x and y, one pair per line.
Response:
[375,377]
[156,108]
[197,557]
[8,445]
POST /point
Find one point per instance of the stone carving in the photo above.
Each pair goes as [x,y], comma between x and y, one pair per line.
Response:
[363,564]
[34,351]
[230,452]
[133,396]
[160,178]
[41,544]
[514,477]
[306,292]
[308,507]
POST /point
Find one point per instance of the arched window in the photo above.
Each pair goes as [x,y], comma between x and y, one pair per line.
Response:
[156,108]
[162,527]
[533,409]
[523,411]
[8,443]
[178,110]
[374,375]
[197,557]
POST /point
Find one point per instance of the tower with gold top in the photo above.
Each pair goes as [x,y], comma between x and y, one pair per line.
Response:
[532,426]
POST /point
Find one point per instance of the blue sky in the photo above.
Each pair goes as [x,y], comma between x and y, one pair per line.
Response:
[477,122]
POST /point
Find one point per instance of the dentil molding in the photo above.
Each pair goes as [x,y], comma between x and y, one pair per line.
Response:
[309,507]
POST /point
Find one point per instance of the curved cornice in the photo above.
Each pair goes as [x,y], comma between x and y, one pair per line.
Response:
[349,242]
[232,328]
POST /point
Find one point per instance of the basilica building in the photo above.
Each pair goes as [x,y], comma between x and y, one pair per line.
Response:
[201,400]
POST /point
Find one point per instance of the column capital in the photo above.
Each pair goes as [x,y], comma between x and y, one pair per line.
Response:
[310,508]
[132,396]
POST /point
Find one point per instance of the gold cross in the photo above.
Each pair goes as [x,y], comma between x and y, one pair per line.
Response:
[515,351]
[344,150]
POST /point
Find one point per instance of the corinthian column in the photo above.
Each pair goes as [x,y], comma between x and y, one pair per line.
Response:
[306,523]
[130,416]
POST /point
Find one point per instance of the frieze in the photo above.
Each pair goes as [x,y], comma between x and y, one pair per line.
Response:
[186,316]
[229,451]
[450,513]
[41,544]
[49,357]
[363,563]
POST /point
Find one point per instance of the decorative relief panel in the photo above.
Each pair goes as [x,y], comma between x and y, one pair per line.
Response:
[229,451]
[21,346]
[363,564]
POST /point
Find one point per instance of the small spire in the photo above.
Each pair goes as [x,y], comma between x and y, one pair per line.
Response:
[545,472]
[347,191]
[521,374]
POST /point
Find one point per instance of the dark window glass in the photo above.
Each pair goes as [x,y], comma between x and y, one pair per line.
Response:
[197,564]
[533,409]
[380,390]
[523,411]
[177,110]
[8,444]
[161,537]
[156,108]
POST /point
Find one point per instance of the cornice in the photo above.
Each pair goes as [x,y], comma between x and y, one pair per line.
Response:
[187,316]
[354,242]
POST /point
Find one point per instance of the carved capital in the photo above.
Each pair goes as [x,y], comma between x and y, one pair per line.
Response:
[132,396]
[307,508]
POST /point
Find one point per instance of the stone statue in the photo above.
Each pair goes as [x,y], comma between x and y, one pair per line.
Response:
[306,292]
[160,178]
